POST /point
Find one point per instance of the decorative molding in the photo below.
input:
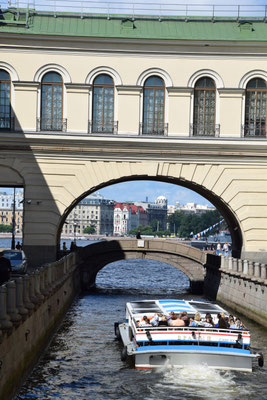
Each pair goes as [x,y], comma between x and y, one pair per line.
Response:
[50,68]
[103,70]
[154,71]
[129,88]
[206,72]
[179,89]
[257,73]
[8,68]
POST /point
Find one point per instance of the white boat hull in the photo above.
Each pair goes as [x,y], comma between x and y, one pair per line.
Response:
[181,358]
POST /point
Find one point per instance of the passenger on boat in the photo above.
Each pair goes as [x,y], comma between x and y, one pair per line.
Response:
[155,320]
[185,318]
[196,321]
[222,323]
[232,323]
[208,321]
[176,321]
[144,321]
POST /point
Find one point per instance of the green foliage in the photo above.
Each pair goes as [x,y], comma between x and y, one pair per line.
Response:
[148,230]
[89,229]
[184,224]
[5,228]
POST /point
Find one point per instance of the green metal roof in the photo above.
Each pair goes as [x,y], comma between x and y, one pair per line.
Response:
[141,28]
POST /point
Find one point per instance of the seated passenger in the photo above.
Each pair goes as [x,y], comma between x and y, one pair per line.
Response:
[144,321]
[196,321]
[232,323]
[163,321]
[222,323]
[185,318]
[155,320]
[176,321]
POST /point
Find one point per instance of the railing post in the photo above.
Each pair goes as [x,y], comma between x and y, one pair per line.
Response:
[38,294]
[11,302]
[33,297]
[250,268]
[5,322]
[223,262]
[263,271]
[230,263]
[245,267]
[234,264]
[239,265]
[257,270]
[19,297]
[26,293]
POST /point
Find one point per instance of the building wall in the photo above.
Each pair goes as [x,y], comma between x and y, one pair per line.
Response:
[179,73]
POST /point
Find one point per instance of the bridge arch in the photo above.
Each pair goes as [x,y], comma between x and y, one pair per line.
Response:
[219,202]
[189,260]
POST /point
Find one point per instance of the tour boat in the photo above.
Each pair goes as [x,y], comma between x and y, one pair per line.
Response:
[157,346]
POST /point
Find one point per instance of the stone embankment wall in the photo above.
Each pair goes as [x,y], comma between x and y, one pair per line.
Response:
[31,308]
[240,284]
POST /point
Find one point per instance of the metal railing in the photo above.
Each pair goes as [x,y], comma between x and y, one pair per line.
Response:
[252,131]
[49,124]
[149,129]
[112,9]
[103,127]
[204,130]
[7,123]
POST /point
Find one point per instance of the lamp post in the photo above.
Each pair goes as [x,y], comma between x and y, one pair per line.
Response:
[13,220]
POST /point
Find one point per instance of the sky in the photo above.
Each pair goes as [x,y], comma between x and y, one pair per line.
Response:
[139,190]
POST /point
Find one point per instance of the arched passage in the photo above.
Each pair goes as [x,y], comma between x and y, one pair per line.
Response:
[211,196]
[189,260]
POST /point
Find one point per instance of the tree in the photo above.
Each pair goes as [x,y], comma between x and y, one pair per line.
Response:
[187,223]
[5,228]
[89,229]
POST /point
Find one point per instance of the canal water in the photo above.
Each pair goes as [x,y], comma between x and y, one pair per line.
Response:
[83,360]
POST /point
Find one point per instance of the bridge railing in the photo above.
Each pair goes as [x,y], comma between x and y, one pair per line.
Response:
[22,295]
[245,268]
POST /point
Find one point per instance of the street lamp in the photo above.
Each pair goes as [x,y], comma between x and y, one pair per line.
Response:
[13,220]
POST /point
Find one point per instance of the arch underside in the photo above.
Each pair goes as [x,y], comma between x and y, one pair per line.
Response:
[218,202]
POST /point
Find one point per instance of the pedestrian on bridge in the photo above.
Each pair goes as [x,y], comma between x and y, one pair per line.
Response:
[5,269]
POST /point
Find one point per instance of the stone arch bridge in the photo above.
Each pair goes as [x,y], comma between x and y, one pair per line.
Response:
[189,260]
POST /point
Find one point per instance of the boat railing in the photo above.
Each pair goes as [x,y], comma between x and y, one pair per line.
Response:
[190,329]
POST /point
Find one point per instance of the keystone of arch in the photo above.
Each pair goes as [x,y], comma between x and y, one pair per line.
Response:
[205,72]
[52,68]
[154,71]
[103,70]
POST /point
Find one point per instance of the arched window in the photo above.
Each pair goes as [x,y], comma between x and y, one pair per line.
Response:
[153,106]
[255,108]
[51,102]
[5,108]
[204,107]
[103,104]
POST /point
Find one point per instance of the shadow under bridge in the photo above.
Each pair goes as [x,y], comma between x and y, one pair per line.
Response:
[189,260]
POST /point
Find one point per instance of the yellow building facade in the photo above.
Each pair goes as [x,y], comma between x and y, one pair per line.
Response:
[170,100]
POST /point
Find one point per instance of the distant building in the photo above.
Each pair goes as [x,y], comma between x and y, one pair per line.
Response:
[6,209]
[95,211]
[128,216]
[190,208]
[156,211]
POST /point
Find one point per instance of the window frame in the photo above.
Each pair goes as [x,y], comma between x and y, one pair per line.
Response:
[10,109]
[154,88]
[205,89]
[248,121]
[41,101]
[103,86]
